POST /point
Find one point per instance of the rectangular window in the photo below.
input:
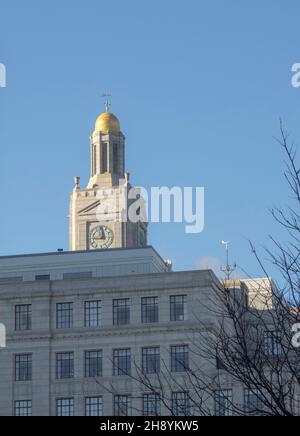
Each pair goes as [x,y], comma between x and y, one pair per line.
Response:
[223,403]
[23,408]
[121,311]
[272,343]
[180,404]
[122,405]
[93,363]
[179,358]
[122,362]
[149,309]
[44,277]
[92,314]
[95,159]
[151,405]
[116,158]
[64,365]
[65,407]
[23,367]
[104,165]
[94,406]
[23,317]
[64,315]
[252,402]
[178,308]
[151,360]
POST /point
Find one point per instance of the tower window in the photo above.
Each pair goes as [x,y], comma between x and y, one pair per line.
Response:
[95,159]
[116,158]
[104,159]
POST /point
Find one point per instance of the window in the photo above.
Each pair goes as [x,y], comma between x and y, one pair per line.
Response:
[178,306]
[78,275]
[122,362]
[93,363]
[43,277]
[116,158]
[149,309]
[64,365]
[95,159]
[94,406]
[151,405]
[23,408]
[122,405]
[92,314]
[151,360]
[65,407]
[223,403]
[272,343]
[23,317]
[104,159]
[23,367]
[179,358]
[252,402]
[121,311]
[180,404]
[64,315]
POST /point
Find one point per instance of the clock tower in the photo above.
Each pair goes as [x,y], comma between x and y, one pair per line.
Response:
[98,214]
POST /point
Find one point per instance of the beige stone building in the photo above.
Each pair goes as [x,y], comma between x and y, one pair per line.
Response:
[82,325]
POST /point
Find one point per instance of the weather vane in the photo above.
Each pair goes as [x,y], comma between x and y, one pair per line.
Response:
[106,95]
[228,269]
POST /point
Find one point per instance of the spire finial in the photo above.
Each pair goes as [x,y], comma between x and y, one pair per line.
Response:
[106,95]
[228,269]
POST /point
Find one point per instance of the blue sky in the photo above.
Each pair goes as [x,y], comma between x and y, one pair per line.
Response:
[198,87]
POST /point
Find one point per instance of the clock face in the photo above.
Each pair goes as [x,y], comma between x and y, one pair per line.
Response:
[100,237]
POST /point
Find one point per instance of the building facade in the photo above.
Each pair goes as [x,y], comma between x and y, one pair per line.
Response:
[75,344]
[86,328]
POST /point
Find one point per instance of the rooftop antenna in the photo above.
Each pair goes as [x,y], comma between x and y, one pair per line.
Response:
[106,95]
[228,269]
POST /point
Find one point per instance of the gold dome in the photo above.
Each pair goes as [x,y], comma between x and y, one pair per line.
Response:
[107,122]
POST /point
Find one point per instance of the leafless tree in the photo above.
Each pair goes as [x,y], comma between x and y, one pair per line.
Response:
[249,345]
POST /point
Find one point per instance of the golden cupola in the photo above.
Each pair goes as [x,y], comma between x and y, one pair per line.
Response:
[107,122]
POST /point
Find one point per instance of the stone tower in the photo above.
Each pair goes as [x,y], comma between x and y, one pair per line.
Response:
[98,213]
